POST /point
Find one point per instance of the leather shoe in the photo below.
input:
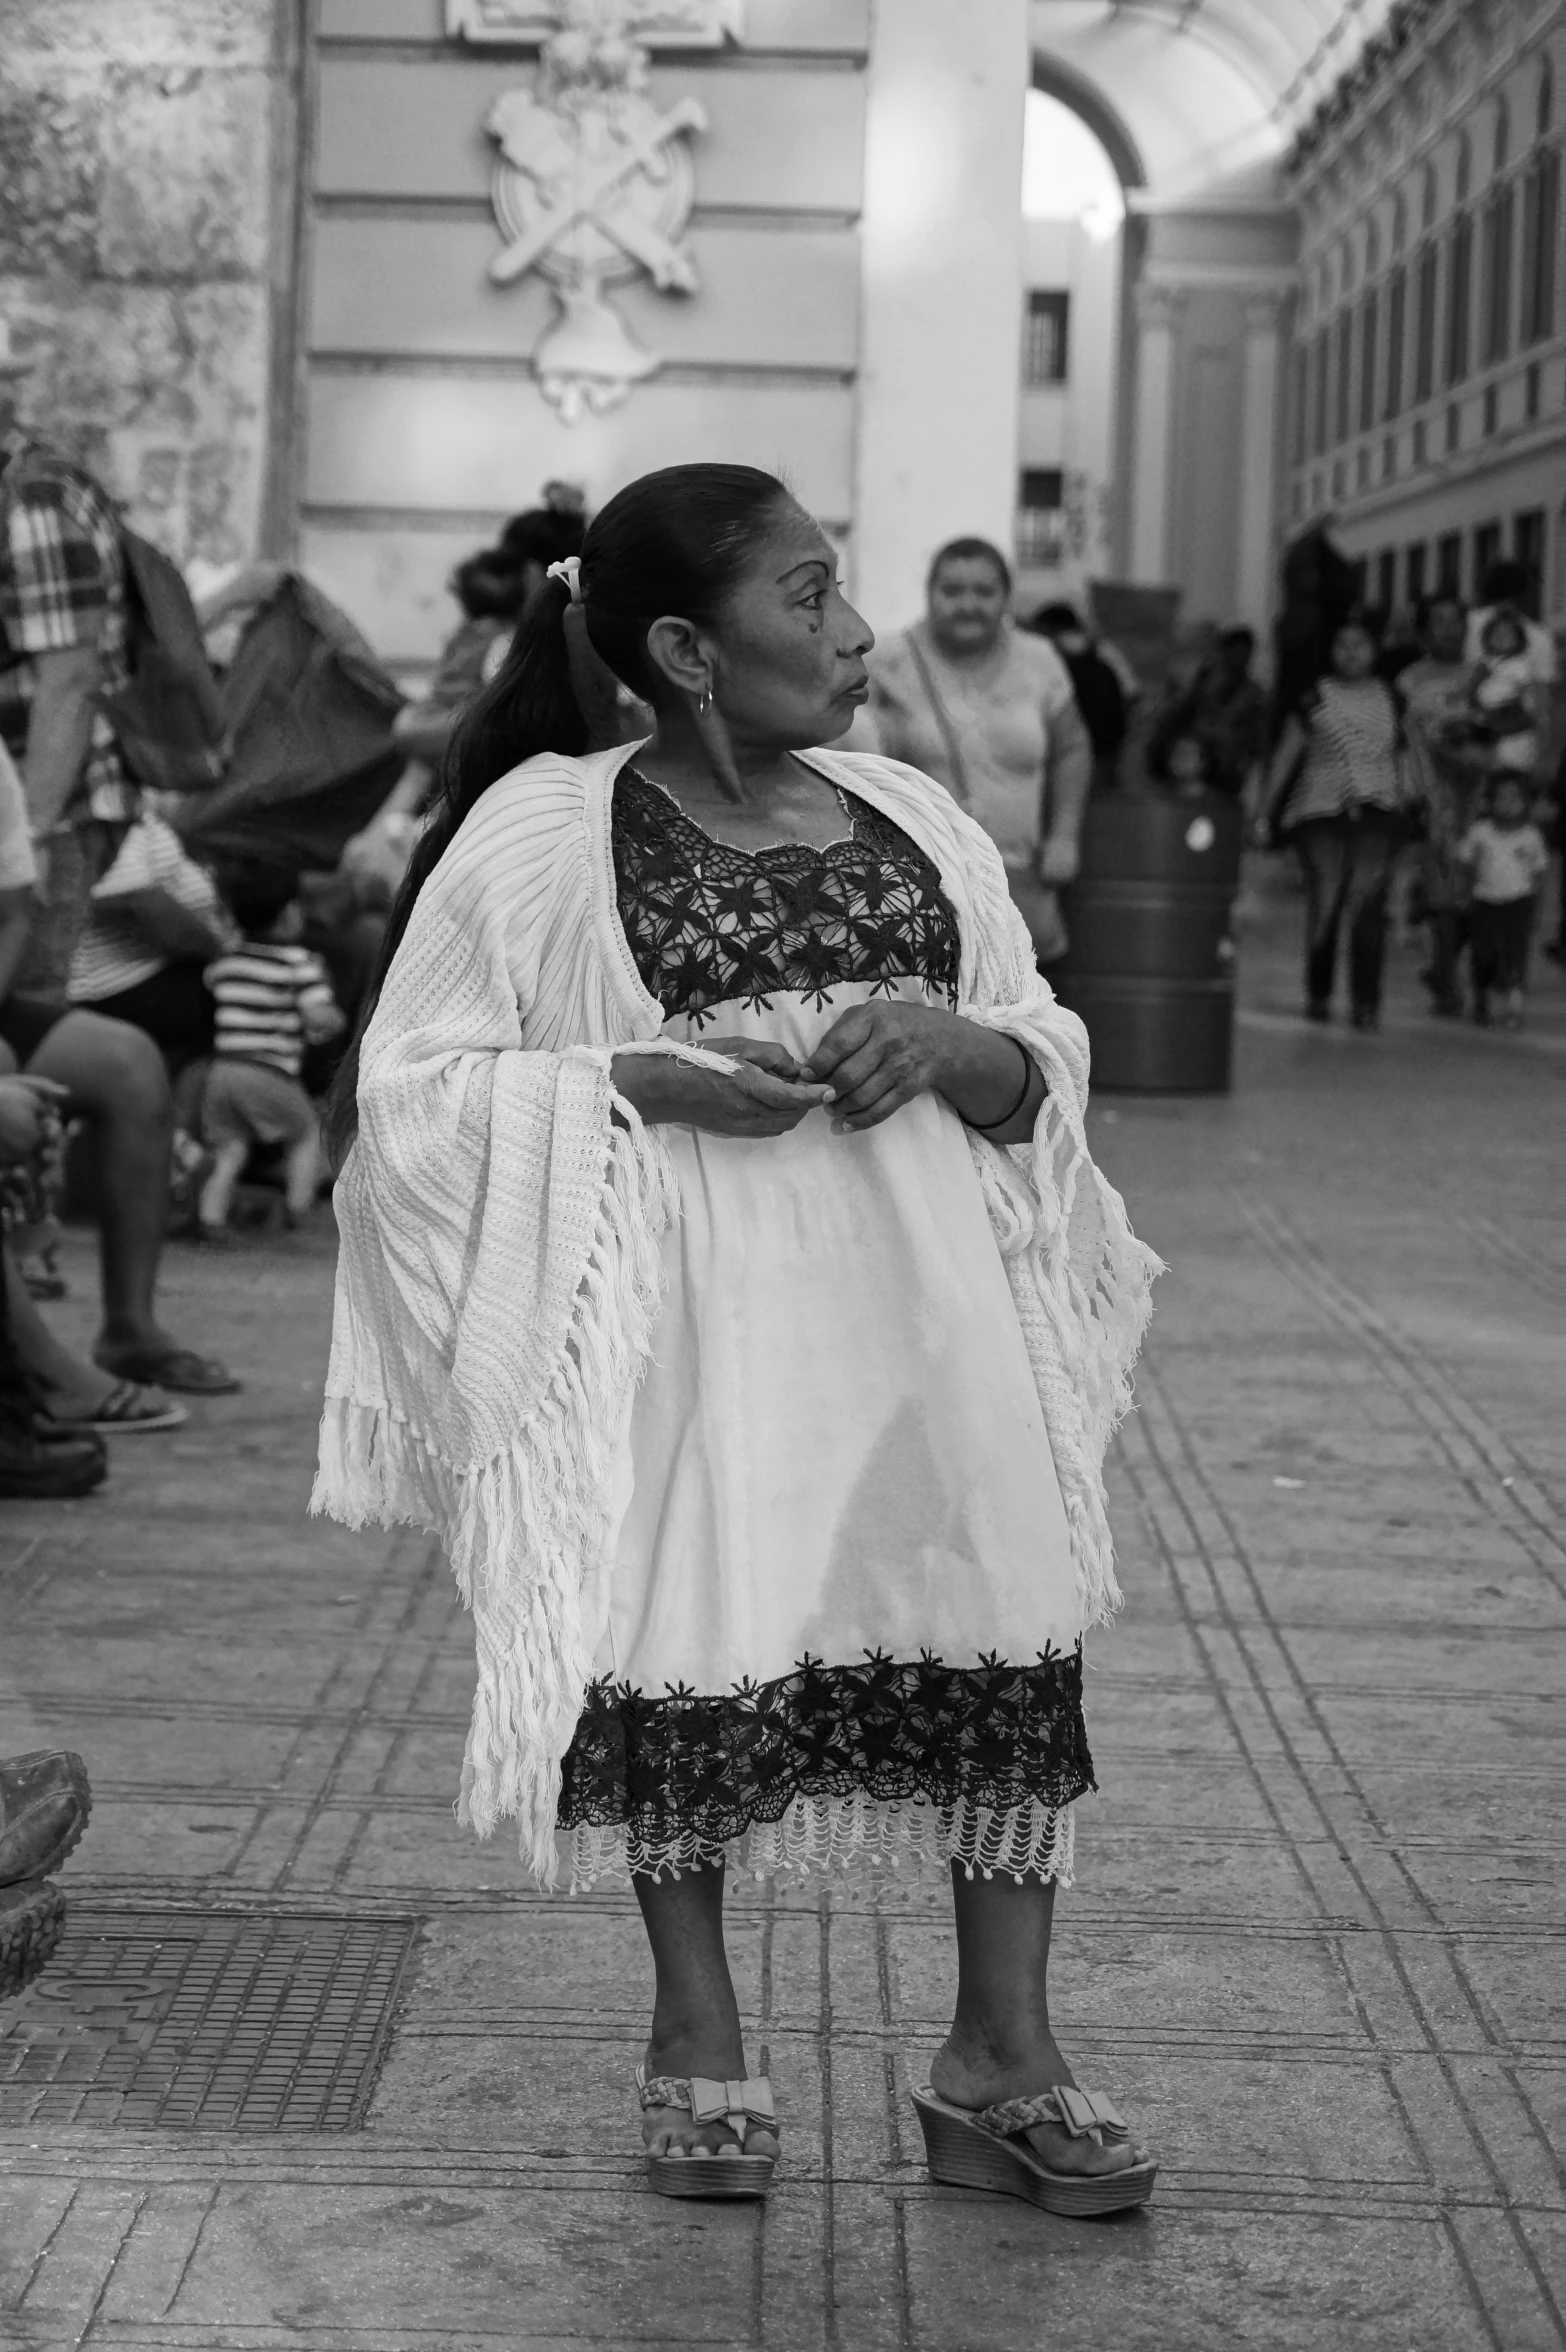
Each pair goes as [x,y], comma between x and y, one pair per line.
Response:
[45,1799]
[31,1918]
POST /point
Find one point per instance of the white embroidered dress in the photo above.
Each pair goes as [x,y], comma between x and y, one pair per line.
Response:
[771,1469]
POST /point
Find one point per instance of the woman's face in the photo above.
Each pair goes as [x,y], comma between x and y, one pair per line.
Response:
[1353,653]
[790,652]
[1445,630]
[967,604]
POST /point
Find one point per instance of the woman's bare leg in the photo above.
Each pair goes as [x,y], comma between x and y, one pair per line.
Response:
[1001,2045]
[696,2024]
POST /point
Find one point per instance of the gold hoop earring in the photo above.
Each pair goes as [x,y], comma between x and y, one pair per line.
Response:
[704,701]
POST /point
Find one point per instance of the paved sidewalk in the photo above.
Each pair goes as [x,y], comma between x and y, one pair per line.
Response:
[1314,1950]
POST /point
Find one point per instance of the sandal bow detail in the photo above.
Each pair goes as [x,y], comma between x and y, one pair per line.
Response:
[734,2103]
[985,2148]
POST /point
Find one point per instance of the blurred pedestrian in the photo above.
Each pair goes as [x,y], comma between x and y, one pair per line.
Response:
[1336,789]
[1320,591]
[491,588]
[987,709]
[1507,587]
[272,998]
[1223,709]
[1506,695]
[1103,682]
[63,630]
[1448,764]
[1506,854]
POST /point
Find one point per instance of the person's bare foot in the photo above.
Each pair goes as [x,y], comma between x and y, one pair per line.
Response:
[72,1391]
[969,2077]
[672,2131]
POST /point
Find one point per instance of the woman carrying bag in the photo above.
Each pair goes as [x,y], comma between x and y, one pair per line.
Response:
[989,711]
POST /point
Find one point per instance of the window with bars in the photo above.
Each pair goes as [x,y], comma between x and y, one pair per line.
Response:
[1541,228]
[1499,227]
[1041,517]
[1426,285]
[1046,336]
[1397,308]
[1368,322]
[1449,563]
[1414,572]
[1459,296]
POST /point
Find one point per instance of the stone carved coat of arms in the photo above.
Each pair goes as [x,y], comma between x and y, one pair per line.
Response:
[592,183]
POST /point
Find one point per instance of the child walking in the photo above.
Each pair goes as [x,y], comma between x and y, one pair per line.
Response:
[1506,855]
[272,999]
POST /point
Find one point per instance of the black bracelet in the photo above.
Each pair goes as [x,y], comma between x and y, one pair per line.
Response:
[990,1125]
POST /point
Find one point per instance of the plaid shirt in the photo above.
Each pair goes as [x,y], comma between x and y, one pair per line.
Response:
[62,584]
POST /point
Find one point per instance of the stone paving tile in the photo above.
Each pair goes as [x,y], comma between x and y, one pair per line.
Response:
[1314,1944]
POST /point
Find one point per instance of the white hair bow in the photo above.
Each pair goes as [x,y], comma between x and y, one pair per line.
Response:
[569,570]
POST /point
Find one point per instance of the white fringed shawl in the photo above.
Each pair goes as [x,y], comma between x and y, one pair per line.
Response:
[500,1270]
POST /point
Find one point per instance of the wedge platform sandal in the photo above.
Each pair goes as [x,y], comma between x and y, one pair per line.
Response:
[737,2104]
[984,2148]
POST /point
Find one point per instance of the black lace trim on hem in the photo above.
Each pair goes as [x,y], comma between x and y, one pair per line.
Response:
[692,1765]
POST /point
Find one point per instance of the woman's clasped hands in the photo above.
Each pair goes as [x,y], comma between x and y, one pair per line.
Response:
[872,1060]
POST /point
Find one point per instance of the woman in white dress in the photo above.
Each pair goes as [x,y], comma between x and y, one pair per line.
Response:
[726,1280]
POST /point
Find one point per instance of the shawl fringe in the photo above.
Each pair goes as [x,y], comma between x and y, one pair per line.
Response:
[518,1529]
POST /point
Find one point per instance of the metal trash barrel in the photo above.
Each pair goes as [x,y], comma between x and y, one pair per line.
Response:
[1151,963]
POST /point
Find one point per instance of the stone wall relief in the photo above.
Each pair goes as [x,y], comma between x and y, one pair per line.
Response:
[592,183]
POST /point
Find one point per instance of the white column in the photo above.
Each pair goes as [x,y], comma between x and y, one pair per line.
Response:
[1158,308]
[941,291]
[1258,456]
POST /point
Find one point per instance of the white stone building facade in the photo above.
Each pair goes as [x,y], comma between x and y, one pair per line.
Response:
[1428,362]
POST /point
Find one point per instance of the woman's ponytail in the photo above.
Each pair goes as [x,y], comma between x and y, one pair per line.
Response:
[528,706]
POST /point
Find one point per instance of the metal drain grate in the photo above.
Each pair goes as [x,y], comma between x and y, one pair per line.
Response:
[206,2021]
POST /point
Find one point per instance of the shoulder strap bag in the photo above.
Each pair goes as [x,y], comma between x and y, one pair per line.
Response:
[1037,902]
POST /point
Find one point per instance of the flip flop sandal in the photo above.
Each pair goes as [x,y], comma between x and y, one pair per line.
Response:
[985,2149]
[32,1916]
[177,1368]
[705,2101]
[129,1410]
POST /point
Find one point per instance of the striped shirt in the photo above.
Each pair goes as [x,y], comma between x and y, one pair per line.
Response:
[260,992]
[62,585]
[1353,756]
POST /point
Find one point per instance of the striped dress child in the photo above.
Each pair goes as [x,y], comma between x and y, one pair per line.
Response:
[271,998]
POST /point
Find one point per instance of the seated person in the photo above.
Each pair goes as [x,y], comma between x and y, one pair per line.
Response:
[272,998]
[114,1079]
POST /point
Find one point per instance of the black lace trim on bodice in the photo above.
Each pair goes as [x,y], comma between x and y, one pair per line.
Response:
[689,1767]
[710,924]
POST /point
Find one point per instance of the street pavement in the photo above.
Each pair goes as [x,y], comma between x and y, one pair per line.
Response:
[1313,1950]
